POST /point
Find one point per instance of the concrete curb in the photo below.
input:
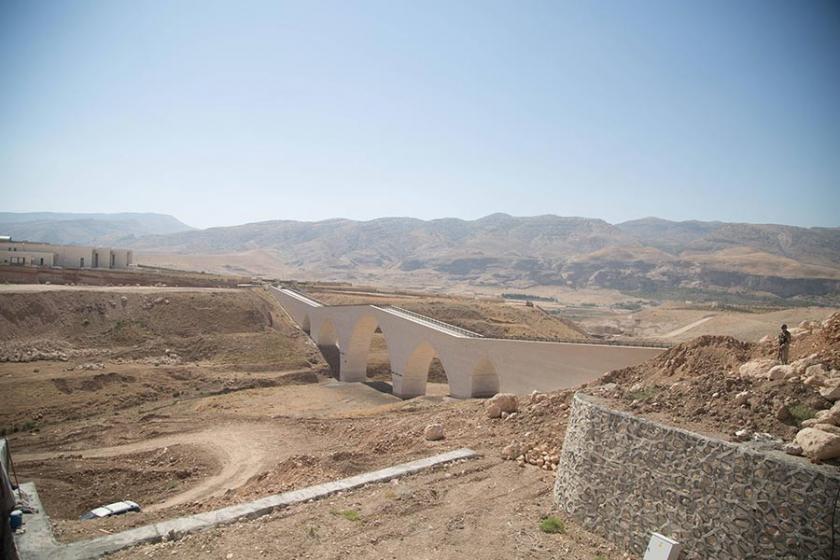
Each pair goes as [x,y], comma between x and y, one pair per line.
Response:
[38,541]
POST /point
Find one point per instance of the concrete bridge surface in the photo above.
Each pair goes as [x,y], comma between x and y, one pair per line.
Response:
[475,366]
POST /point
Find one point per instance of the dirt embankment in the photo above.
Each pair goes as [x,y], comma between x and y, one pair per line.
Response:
[138,276]
[701,384]
[231,326]
[70,485]
[67,355]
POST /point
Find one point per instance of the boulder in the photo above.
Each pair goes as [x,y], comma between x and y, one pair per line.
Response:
[792,449]
[433,432]
[829,416]
[817,369]
[742,398]
[756,368]
[493,410]
[814,380]
[803,364]
[796,332]
[537,397]
[501,402]
[512,451]
[831,390]
[780,372]
[830,428]
[606,388]
[742,435]
[818,445]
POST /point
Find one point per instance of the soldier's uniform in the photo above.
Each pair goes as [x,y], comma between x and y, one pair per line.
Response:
[784,344]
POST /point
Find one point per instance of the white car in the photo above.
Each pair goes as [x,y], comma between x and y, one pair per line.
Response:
[117,508]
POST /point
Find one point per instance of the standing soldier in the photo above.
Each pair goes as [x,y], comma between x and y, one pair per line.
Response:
[784,344]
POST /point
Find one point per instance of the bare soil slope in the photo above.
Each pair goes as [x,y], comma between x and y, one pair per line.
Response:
[698,384]
[231,326]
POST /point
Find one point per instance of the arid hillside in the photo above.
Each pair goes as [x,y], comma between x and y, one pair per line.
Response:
[168,325]
[86,229]
[653,257]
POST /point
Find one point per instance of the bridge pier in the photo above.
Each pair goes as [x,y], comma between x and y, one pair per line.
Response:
[350,374]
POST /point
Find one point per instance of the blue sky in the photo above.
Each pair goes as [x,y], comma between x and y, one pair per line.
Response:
[223,113]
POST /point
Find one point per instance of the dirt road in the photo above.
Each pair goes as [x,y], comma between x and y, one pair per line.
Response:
[243,450]
[688,327]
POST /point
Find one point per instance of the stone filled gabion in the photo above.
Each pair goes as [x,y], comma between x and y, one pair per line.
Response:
[625,477]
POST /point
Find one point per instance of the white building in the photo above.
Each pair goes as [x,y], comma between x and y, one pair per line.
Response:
[67,256]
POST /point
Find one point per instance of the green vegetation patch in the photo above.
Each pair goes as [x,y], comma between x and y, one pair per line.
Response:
[643,394]
[552,524]
[801,412]
[348,514]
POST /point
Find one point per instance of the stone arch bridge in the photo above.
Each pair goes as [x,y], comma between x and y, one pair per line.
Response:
[475,366]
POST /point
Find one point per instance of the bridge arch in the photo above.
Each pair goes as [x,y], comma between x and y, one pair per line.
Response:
[356,350]
[327,334]
[485,379]
[326,338]
[410,380]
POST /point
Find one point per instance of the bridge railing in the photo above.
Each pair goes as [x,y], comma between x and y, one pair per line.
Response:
[427,319]
[590,341]
[299,296]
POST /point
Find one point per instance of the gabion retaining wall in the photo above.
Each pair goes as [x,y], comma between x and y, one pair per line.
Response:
[624,477]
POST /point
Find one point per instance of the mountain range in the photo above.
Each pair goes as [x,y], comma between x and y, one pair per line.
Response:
[86,229]
[647,256]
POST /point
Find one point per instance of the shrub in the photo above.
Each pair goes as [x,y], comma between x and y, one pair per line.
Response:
[643,394]
[349,514]
[552,524]
[801,412]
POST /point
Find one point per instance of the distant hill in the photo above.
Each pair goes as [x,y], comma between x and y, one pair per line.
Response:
[819,246]
[87,229]
[650,256]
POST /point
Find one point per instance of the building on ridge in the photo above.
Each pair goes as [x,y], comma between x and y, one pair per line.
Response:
[25,253]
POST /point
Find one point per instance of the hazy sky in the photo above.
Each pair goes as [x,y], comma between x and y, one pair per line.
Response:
[229,112]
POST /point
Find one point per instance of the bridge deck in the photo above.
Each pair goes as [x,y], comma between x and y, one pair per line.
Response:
[429,322]
[300,297]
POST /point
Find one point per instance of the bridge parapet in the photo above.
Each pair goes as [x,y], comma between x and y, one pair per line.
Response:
[447,327]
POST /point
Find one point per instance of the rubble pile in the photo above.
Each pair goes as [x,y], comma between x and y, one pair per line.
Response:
[542,422]
[722,385]
[35,350]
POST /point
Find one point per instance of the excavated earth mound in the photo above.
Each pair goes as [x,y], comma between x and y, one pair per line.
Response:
[701,385]
[171,327]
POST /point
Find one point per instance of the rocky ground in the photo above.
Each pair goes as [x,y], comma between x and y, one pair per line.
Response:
[724,386]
